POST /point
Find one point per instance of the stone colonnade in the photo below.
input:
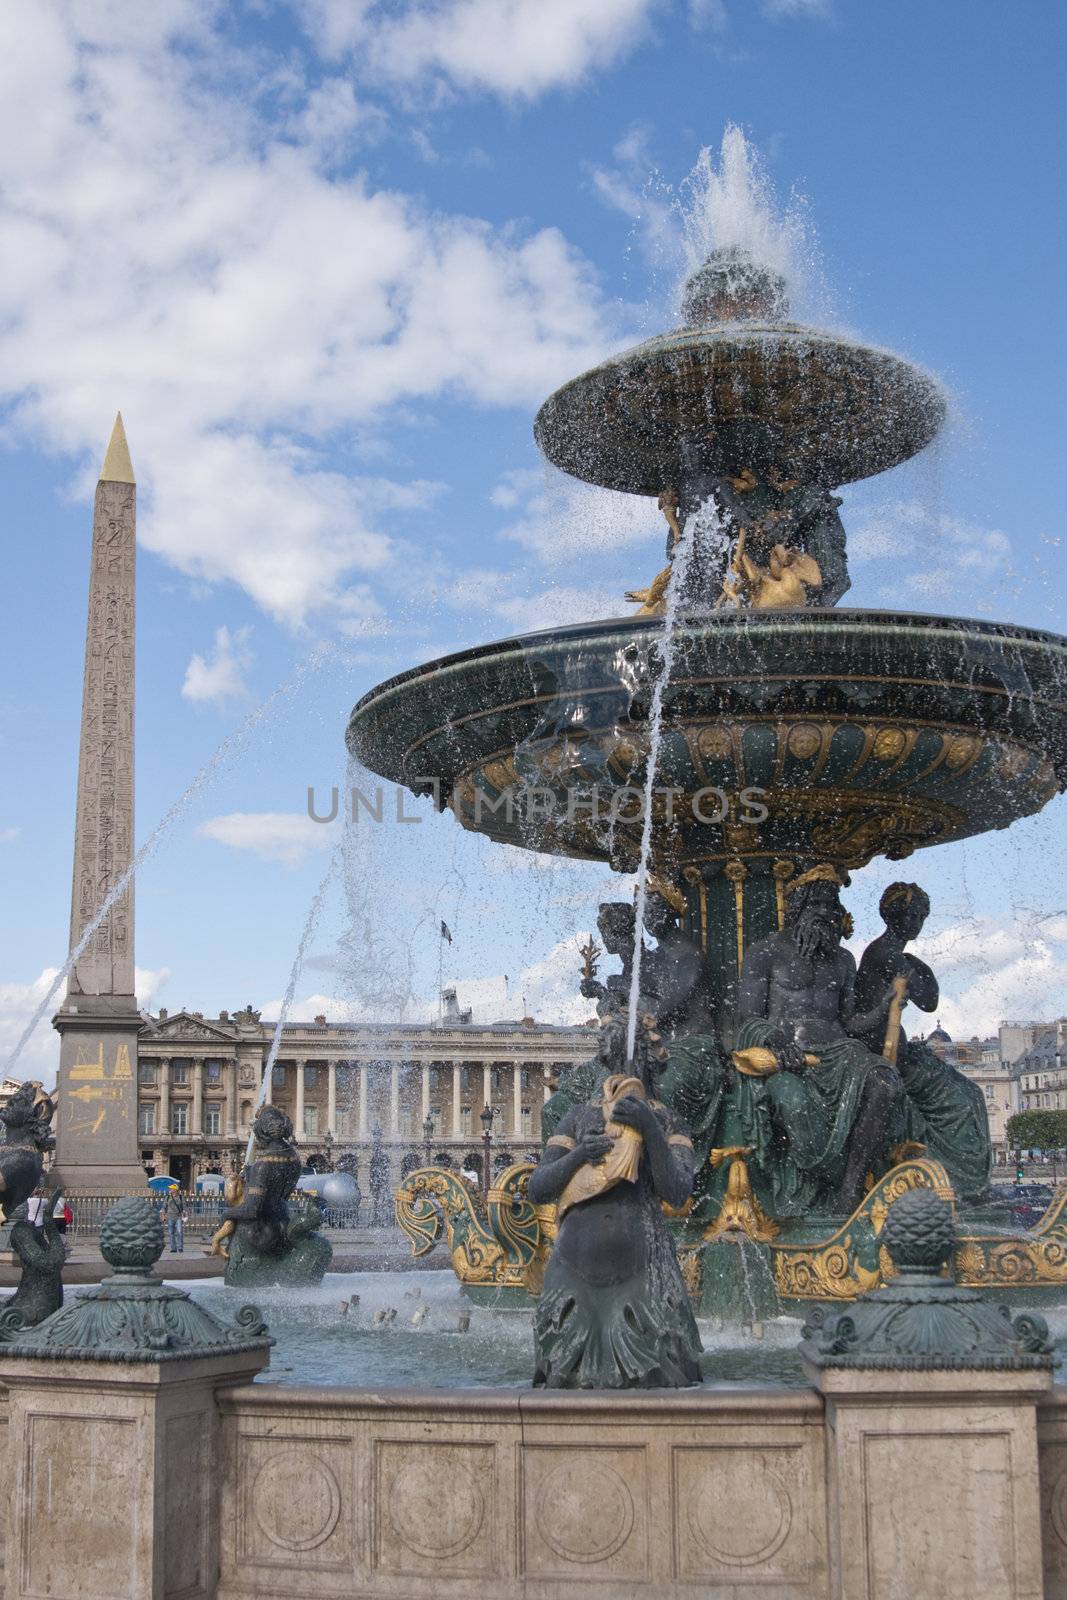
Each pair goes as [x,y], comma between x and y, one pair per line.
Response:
[456,1108]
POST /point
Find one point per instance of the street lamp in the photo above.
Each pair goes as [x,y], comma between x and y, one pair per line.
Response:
[427,1135]
[487,1141]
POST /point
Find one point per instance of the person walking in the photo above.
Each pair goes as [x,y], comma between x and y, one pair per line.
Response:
[174,1212]
[61,1214]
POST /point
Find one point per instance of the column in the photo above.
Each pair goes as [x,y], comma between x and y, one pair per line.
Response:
[545,1074]
[198,1095]
[394,1100]
[487,1085]
[425,1090]
[457,1092]
[299,1118]
[363,1067]
[268,1093]
[164,1096]
[516,1104]
[231,1101]
[331,1099]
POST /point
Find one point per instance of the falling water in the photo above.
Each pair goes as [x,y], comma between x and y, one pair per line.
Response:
[310,924]
[675,589]
[229,746]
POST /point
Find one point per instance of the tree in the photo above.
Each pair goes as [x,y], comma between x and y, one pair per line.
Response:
[1038,1130]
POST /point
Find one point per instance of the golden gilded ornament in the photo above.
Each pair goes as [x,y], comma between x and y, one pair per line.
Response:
[804,741]
[852,1260]
[505,1245]
[849,1262]
[740,1211]
[715,743]
[889,743]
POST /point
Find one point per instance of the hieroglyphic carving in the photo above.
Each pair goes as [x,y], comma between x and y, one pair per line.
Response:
[103,838]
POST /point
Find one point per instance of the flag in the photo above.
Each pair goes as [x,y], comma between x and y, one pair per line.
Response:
[445,934]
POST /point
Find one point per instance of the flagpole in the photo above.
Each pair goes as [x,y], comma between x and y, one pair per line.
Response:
[440,976]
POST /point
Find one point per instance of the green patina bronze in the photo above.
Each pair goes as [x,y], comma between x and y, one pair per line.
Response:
[923,1320]
[267,1237]
[133,1315]
[42,1254]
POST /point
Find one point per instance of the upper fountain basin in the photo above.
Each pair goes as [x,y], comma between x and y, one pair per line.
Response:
[716,399]
[871,732]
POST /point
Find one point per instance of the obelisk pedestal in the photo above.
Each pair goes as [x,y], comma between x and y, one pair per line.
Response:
[98,1022]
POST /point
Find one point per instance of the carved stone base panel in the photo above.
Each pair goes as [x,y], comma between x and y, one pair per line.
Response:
[291,1502]
[585,1512]
[177,1483]
[511,1495]
[1052,1468]
[934,1481]
[112,1478]
[748,1510]
[436,1509]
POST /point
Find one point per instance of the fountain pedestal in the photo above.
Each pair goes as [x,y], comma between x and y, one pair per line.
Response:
[933,1477]
[113,1456]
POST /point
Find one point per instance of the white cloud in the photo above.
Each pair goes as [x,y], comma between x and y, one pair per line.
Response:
[285,836]
[169,250]
[18,1002]
[7,835]
[805,9]
[991,970]
[220,675]
[481,593]
[556,513]
[952,558]
[513,48]
[635,187]
[148,981]
[549,987]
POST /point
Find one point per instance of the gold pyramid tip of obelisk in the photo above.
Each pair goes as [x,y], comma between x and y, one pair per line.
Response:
[117,468]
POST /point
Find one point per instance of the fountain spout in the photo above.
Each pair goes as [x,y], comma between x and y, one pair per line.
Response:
[732,286]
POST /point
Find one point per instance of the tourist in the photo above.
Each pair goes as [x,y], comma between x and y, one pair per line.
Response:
[36,1206]
[174,1212]
[61,1214]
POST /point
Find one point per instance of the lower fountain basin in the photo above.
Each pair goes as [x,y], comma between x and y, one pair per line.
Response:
[866,732]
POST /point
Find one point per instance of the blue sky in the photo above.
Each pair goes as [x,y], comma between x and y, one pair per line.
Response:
[328,258]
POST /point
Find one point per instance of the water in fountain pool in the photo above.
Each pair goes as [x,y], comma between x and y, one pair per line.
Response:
[425,1344]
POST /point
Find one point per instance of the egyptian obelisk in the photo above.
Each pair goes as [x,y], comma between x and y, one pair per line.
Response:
[98,1022]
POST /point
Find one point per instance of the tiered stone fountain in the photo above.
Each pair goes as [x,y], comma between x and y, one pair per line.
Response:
[795,733]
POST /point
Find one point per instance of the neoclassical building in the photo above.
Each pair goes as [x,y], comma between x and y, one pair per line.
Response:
[198,1078]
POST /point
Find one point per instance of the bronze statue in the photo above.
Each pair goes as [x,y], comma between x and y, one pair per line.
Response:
[674,976]
[946,1111]
[613,1312]
[27,1135]
[261,1240]
[787,538]
[781,585]
[40,1249]
[836,1105]
[616,923]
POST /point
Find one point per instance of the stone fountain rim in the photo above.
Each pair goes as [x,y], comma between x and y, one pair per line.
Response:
[905,623]
[713,344]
